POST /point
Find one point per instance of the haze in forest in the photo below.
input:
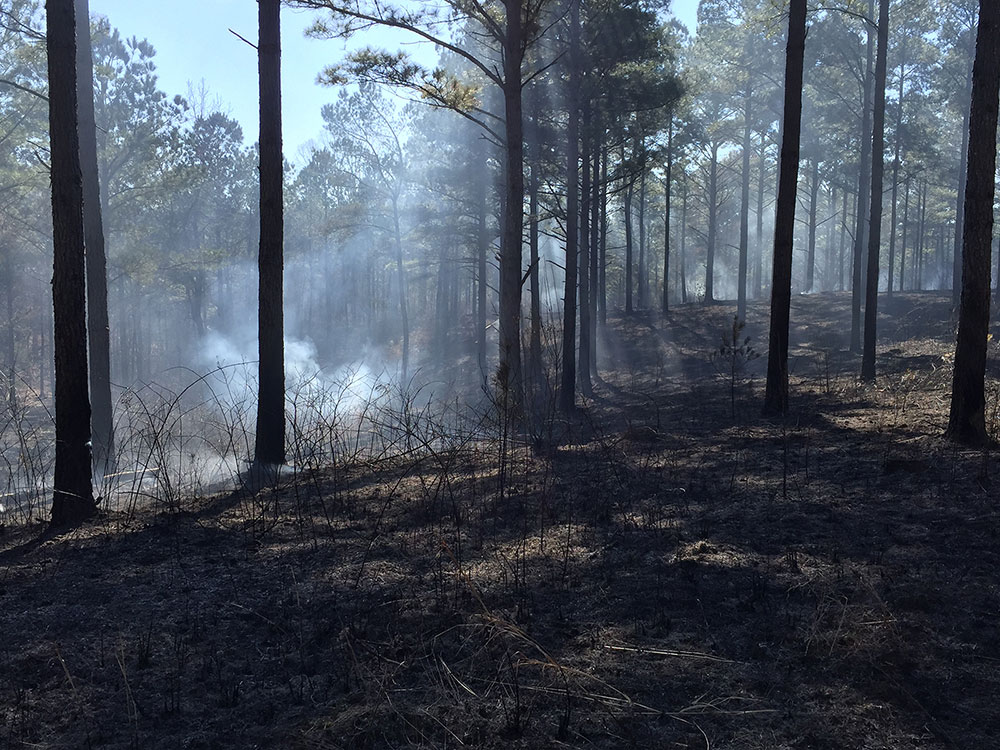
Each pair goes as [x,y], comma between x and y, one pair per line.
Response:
[416,268]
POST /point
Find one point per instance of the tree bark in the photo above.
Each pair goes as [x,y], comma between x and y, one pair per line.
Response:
[902,239]
[481,250]
[683,247]
[967,419]
[741,283]
[776,394]
[10,365]
[595,240]
[72,499]
[963,168]
[897,147]
[509,370]
[864,194]
[629,188]
[534,370]
[667,182]
[643,280]
[602,270]
[98,332]
[270,443]
[583,370]
[567,392]
[878,176]
[758,270]
[404,314]
[713,212]
[813,207]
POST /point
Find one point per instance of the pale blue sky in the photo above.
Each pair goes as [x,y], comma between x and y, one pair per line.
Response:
[193,43]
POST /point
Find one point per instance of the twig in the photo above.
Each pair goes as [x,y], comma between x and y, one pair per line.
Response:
[242,38]
[673,652]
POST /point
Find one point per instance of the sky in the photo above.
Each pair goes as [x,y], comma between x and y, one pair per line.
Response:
[194,45]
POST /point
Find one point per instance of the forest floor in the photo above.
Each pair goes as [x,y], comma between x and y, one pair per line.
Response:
[665,569]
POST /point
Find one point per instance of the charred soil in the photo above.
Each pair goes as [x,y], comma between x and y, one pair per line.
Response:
[664,568]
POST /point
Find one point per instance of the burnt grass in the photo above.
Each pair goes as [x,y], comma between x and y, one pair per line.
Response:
[663,569]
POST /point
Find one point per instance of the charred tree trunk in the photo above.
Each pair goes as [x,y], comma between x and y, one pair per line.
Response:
[741,283]
[713,212]
[509,370]
[534,364]
[963,170]
[270,443]
[843,244]
[831,256]
[966,422]
[813,207]
[595,241]
[878,176]
[583,370]
[567,391]
[535,276]
[683,247]
[404,313]
[72,499]
[481,250]
[758,269]
[864,194]
[11,343]
[906,224]
[918,264]
[667,181]
[602,270]
[629,189]
[897,151]
[776,395]
[643,286]
[98,332]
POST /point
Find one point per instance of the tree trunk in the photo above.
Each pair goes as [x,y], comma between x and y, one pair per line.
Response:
[878,176]
[813,207]
[270,443]
[830,238]
[73,499]
[667,181]
[741,283]
[758,270]
[509,370]
[98,334]
[404,314]
[864,194]
[897,147]
[843,236]
[534,370]
[963,168]
[966,422]
[918,264]
[567,391]
[595,241]
[11,363]
[481,250]
[776,395]
[906,224]
[713,209]
[643,285]
[602,269]
[629,189]
[683,248]
[583,370]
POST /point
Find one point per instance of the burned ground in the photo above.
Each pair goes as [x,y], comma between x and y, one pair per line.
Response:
[663,569]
